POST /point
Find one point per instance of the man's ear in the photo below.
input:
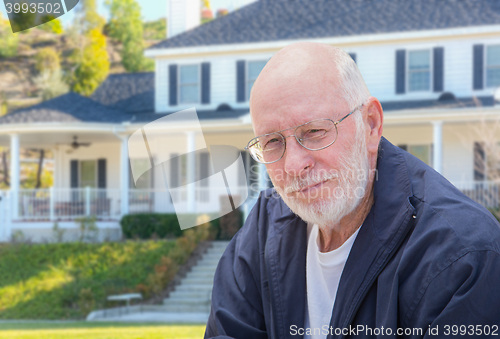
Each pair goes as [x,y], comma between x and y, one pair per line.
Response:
[374,120]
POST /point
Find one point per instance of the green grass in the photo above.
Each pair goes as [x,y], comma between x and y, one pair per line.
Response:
[66,281]
[84,330]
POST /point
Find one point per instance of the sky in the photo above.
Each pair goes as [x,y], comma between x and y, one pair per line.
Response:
[151,9]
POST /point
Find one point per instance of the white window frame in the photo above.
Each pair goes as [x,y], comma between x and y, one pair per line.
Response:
[431,69]
[179,84]
[80,162]
[247,80]
[485,63]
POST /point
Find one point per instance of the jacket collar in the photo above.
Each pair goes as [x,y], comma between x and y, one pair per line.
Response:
[382,232]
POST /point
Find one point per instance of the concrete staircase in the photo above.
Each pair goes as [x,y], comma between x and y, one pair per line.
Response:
[188,303]
[193,293]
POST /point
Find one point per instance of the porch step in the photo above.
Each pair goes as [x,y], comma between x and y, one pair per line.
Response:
[193,293]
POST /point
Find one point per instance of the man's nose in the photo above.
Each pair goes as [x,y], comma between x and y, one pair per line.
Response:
[298,160]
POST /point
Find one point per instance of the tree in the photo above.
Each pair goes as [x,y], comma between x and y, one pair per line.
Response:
[51,84]
[8,40]
[47,59]
[93,66]
[90,59]
[125,26]
[53,26]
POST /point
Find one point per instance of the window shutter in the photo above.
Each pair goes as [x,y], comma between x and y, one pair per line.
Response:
[403,147]
[353,56]
[438,69]
[479,162]
[240,81]
[400,71]
[101,173]
[74,173]
[478,67]
[174,170]
[172,85]
[205,83]
[203,169]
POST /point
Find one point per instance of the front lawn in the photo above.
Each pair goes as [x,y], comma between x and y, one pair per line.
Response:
[92,330]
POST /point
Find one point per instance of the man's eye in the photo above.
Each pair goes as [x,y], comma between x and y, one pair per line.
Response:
[272,143]
[314,133]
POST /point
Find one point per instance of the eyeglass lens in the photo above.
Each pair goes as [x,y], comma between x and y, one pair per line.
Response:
[314,135]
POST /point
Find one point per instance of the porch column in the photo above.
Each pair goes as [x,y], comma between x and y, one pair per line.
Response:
[14,174]
[262,177]
[124,175]
[191,171]
[437,160]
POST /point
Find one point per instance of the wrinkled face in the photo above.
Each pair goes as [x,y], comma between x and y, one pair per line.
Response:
[320,186]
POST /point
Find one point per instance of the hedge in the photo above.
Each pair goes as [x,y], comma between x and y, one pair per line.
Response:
[158,225]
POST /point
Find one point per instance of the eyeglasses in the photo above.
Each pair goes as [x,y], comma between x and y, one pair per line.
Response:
[314,135]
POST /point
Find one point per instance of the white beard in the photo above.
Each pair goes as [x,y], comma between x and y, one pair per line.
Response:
[329,206]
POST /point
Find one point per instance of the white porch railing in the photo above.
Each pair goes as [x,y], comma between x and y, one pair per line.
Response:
[487,193]
[207,200]
[71,203]
[68,203]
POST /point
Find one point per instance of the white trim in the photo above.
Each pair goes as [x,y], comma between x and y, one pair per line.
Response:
[357,39]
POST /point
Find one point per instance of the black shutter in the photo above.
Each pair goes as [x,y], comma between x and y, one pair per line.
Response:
[172,85]
[101,173]
[400,71]
[74,173]
[478,82]
[479,162]
[203,169]
[240,81]
[353,56]
[438,69]
[205,83]
[403,147]
[174,171]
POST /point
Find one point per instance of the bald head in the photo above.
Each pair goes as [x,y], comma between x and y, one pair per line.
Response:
[308,67]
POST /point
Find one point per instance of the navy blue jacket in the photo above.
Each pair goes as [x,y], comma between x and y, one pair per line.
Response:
[426,257]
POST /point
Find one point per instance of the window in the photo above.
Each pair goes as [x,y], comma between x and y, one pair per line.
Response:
[493,66]
[88,173]
[253,71]
[189,84]
[423,152]
[419,70]
[145,180]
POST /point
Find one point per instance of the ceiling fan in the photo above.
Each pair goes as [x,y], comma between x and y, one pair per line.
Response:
[75,144]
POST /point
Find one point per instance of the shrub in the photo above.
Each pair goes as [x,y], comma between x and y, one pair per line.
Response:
[148,225]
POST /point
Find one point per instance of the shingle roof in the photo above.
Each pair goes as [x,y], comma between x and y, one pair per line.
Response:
[271,20]
[438,104]
[70,107]
[129,92]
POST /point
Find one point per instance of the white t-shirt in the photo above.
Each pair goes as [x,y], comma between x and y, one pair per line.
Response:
[323,271]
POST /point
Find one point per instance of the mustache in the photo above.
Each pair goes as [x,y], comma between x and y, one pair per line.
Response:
[313,179]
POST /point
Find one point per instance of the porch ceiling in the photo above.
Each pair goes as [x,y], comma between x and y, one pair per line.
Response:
[50,139]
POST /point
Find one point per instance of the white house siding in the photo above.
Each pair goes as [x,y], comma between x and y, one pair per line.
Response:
[376,62]
[222,80]
[109,151]
[458,145]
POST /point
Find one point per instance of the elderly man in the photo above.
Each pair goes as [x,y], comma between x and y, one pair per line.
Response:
[357,238]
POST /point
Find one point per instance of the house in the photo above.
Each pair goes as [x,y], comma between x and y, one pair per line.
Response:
[434,65]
